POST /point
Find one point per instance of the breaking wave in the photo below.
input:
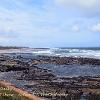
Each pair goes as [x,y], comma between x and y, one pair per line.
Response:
[69,52]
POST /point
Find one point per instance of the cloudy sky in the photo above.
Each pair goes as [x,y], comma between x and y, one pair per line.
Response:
[50,23]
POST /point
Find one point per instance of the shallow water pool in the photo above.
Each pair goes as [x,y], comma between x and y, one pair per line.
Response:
[72,70]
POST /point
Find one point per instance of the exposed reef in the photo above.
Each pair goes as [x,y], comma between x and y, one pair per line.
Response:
[44,83]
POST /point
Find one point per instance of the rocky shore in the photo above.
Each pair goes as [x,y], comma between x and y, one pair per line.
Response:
[23,70]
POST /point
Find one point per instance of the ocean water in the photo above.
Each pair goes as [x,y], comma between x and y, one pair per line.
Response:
[62,52]
[72,70]
[69,52]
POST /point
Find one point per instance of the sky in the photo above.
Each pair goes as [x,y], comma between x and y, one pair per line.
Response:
[50,23]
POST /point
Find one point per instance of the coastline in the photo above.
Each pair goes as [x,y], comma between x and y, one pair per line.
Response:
[24,71]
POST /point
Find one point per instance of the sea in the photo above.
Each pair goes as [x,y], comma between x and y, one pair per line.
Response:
[69,52]
[93,52]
